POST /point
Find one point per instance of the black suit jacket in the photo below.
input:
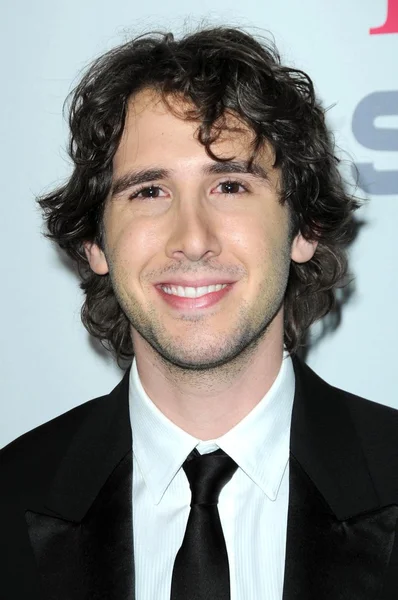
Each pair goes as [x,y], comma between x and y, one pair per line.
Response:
[66,511]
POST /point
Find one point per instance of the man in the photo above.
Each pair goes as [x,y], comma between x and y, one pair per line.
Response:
[209,222]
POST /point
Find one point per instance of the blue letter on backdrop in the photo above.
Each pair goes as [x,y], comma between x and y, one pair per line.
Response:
[377,104]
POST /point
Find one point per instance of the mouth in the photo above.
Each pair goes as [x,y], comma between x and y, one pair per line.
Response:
[190,299]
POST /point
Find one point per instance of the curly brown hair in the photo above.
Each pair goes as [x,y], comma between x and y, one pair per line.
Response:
[217,69]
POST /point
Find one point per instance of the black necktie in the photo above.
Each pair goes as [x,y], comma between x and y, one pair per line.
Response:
[201,570]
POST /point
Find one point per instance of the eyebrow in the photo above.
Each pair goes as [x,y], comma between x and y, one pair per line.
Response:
[140,176]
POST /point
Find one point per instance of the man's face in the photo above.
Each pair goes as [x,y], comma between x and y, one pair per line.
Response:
[191,219]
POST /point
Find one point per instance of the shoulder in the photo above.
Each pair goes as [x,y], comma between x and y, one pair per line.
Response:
[370,418]
[29,461]
[375,423]
[375,426]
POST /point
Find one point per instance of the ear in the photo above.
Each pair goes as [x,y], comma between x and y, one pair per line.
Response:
[302,250]
[96,258]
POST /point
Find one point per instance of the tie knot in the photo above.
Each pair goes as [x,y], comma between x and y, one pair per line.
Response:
[207,474]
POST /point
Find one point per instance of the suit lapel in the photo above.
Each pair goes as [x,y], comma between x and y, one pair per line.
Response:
[339,536]
[81,532]
[332,559]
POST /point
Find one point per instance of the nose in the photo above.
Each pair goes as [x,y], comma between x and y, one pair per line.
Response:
[194,231]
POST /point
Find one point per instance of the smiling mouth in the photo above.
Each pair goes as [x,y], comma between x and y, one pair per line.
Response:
[192,292]
[204,297]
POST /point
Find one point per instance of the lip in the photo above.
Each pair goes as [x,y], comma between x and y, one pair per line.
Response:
[190,304]
[195,283]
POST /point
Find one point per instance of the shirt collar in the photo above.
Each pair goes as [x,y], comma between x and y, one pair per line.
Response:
[259,443]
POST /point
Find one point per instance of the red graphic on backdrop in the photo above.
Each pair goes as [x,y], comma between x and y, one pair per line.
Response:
[391,24]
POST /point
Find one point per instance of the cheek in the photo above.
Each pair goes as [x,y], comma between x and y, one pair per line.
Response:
[268,236]
[130,247]
[270,254]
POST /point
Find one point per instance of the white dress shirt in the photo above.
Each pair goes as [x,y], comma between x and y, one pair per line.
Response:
[253,505]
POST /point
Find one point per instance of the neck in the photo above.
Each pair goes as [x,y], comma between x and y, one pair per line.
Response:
[207,404]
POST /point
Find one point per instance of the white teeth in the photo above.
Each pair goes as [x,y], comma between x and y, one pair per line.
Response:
[192,292]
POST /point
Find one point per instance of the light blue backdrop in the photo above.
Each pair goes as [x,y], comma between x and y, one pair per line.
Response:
[47,363]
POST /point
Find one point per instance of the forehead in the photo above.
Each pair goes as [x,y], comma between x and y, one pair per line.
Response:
[154,130]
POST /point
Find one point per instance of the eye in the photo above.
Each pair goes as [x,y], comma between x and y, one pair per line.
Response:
[149,191]
[231,187]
